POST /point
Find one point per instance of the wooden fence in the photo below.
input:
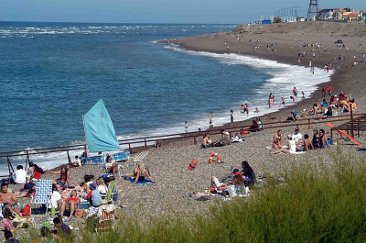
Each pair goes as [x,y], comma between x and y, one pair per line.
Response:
[145,142]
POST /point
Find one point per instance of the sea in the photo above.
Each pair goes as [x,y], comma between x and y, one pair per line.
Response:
[53,73]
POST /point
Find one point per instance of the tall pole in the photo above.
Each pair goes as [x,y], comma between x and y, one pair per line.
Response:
[313,9]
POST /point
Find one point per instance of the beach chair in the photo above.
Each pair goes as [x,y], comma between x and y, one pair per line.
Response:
[43,192]
[131,163]
[110,193]
[105,216]
[139,158]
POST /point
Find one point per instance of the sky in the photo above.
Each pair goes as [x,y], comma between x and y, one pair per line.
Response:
[156,11]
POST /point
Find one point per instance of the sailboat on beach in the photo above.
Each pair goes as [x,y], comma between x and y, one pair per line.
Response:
[100,135]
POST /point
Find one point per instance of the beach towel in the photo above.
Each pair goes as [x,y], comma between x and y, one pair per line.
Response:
[146,181]
[286,147]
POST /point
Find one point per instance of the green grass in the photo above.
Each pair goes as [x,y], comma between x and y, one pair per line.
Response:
[310,205]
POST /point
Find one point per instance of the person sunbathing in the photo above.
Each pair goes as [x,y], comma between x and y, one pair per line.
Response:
[206,142]
[248,173]
[292,117]
[236,138]
[254,127]
[315,140]
[291,144]
[238,180]
[224,140]
[111,167]
[72,201]
[353,104]
[56,198]
[64,179]
[327,112]
[9,199]
[141,173]
[317,108]
[323,140]
[76,162]
[308,145]
[217,185]
[277,143]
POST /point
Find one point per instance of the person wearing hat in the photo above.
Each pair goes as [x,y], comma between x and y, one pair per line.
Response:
[9,199]
[96,197]
[238,179]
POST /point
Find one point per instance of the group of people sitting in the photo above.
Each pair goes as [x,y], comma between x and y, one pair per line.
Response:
[335,104]
[66,198]
[237,184]
[299,143]
[223,141]
[326,108]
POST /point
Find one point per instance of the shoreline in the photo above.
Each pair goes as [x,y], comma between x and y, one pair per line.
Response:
[169,195]
[213,43]
[218,42]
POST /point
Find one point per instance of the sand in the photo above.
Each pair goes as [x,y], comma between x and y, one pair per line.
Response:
[168,164]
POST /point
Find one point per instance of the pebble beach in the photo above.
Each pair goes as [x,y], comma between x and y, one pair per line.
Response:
[169,195]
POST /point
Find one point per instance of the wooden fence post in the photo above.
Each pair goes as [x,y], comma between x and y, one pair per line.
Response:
[7,159]
[27,160]
[68,156]
[351,121]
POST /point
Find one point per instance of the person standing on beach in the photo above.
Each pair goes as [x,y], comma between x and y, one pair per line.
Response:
[312,70]
[246,109]
[231,116]
[294,92]
[242,108]
[210,122]
[186,126]
[271,100]
[330,90]
[283,101]
[324,89]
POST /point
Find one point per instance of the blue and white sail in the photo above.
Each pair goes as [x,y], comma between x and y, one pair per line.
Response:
[99,131]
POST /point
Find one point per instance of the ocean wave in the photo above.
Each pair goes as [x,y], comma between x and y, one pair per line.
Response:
[55,29]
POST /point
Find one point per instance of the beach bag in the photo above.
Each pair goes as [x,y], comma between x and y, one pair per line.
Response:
[244,132]
[193,164]
[26,211]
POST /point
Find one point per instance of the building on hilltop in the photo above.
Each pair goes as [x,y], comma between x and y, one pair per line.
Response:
[325,14]
[340,14]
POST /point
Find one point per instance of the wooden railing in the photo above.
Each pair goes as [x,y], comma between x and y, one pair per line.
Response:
[145,142]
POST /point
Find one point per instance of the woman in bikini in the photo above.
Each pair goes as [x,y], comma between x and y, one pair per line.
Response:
[72,201]
[141,173]
[277,143]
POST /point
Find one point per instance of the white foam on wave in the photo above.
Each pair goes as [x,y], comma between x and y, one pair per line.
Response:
[283,78]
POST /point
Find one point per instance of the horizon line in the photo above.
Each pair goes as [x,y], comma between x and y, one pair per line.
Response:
[81,22]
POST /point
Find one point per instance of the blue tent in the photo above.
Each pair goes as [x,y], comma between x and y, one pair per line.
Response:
[99,131]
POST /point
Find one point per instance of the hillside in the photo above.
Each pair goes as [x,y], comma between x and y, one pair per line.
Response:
[334,29]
